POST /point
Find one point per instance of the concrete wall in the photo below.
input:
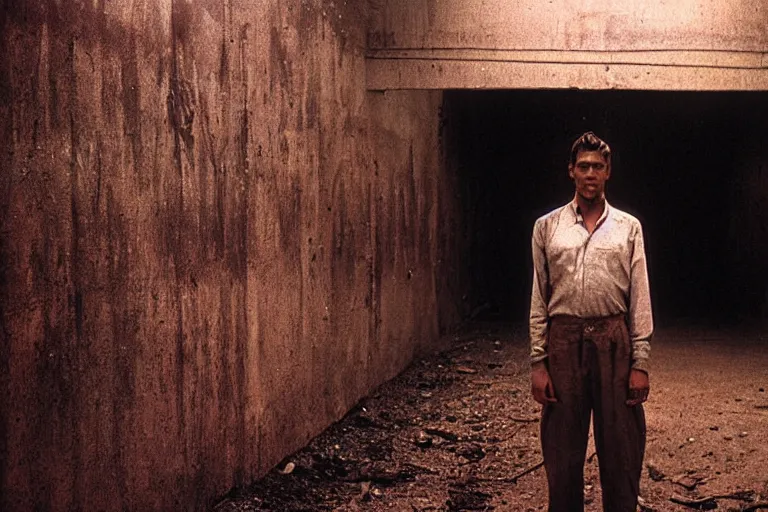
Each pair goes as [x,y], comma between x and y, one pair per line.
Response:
[213,242]
[595,44]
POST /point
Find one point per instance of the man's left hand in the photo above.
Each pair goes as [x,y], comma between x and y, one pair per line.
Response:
[639,386]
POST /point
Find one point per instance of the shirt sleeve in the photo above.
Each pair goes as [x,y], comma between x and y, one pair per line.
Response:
[539,317]
[640,315]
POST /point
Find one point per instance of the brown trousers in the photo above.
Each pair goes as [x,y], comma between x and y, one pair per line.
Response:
[589,362]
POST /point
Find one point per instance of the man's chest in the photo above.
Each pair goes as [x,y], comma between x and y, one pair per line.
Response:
[573,246]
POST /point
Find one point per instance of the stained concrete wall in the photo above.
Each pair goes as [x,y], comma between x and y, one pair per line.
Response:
[213,242]
[595,44]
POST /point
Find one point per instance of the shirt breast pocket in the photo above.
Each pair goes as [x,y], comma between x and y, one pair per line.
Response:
[608,244]
[613,260]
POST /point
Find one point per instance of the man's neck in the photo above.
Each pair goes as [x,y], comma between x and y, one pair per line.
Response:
[589,208]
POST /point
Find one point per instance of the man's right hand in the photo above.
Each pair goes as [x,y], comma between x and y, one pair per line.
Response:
[541,385]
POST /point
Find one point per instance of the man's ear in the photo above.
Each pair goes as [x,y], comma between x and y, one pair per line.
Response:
[608,172]
[570,171]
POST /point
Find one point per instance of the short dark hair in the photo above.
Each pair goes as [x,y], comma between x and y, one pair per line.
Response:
[590,142]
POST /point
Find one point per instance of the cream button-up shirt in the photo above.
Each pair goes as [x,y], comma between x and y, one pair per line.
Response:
[590,275]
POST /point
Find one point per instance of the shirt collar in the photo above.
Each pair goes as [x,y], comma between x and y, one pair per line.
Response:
[578,219]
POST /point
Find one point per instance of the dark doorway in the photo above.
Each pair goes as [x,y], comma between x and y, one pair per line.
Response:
[692,166]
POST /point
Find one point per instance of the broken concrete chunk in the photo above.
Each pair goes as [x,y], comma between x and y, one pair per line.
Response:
[655,473]
[472,452]
[423,440]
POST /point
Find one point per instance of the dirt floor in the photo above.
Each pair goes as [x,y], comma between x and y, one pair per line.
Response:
[459,431]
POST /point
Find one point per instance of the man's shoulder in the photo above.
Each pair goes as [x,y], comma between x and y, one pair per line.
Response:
[552,215]
[624,217]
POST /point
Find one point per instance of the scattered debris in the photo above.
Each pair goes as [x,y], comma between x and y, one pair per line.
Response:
[644,506]
[524,420]
[738,495]
[288,469]
[448,436]
[705,503]
[423,440]
[473,452]
[526,471]
[421,468]
[365,491]
[710,502]
[364,420]
[468,499]
[484,382]
[380,474]
[466,370]
[689,481]
[763,505]
[655,473]
[514,478]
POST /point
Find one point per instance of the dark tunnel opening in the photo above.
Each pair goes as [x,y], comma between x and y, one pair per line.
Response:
[692,166]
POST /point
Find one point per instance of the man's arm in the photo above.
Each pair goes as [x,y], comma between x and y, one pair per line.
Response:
[541,384]
[640,316]
[538,319]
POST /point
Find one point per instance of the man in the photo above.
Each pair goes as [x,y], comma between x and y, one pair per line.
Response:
[590,329]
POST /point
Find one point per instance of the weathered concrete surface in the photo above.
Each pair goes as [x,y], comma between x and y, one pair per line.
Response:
[605,44]
[213,241]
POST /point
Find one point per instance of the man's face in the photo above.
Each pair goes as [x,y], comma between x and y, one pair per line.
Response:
[589,174]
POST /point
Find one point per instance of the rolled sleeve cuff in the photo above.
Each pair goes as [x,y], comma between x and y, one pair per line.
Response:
[640,364]
[538,354]
[641,355]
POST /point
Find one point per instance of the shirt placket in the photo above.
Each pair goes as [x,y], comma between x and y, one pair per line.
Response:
[584,249]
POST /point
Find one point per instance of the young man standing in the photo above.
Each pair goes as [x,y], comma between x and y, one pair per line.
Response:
[590,329]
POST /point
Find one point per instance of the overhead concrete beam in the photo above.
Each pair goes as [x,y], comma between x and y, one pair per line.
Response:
[677,70]
[604,25]
[590,44]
